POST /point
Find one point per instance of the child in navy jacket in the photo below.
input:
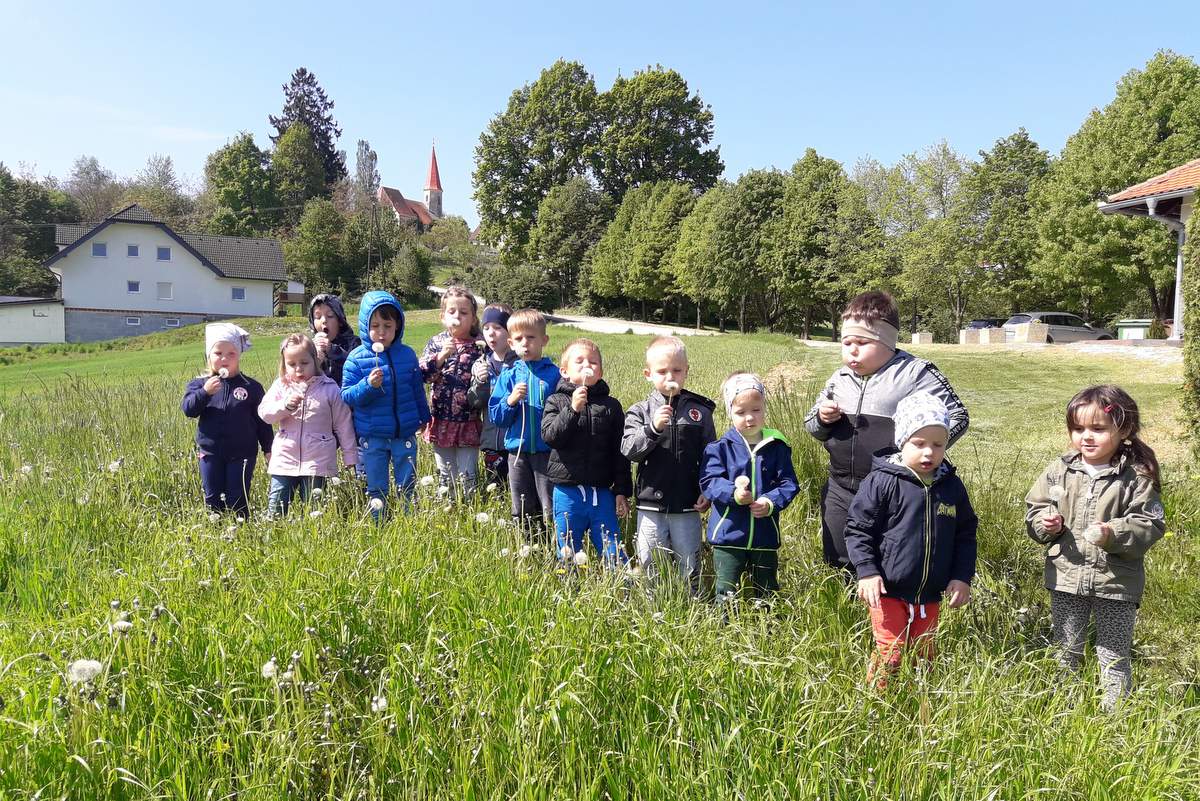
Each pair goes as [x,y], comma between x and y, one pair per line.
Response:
[229,429]
[749,478]
[910,535]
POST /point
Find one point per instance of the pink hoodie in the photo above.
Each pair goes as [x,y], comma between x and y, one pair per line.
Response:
[305,444]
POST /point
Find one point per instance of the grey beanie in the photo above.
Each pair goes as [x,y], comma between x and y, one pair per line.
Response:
[917,411]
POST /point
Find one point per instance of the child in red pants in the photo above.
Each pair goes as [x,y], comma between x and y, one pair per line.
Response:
[910,535]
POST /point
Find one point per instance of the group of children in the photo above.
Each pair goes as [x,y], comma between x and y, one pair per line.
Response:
[895,515]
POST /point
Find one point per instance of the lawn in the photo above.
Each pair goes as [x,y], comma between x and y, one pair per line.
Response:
[422,660]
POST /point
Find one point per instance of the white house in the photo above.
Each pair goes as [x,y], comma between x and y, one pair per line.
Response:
[132,274]
[25,320]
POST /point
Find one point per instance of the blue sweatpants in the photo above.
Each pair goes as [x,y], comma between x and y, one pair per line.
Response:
[376,454]
[579,509]
[226,483]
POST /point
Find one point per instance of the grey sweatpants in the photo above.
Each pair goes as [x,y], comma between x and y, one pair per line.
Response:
[1069,616]
[662,536]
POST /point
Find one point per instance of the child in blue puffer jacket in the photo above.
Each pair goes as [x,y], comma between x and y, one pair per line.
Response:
[748,476]
[384,388]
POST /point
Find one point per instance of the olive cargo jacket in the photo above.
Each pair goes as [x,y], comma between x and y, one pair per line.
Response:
[1119,496]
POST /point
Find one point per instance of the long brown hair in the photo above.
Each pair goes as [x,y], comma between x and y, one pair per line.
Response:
[1122,411]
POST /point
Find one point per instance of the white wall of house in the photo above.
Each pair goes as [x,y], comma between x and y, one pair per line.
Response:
[32,322]
[180,284]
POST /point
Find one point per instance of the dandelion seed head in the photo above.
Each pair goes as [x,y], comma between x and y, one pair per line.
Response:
[223,373]
[270,669]
[504,552]
[492,487]
[83,670]
[26,469]
[524,551]
[377,347]
[335,481]
[213,517]
[443,490]
[672,386]
[586,373]
[315,513]
[427,481]
[566,552]
[742,482]
[115,466]
[482,517]
[122,627]
[581,558]
[376,504]
[1057,493]
[317,493]
[379,704]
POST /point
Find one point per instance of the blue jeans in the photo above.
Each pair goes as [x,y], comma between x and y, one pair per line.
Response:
[226,483]
[279,498]
[375,454]
[579,509]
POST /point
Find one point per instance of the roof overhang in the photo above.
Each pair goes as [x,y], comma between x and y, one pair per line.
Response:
[1165,205]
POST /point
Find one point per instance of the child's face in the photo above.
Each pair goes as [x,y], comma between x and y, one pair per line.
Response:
[298,364]
[383,330]
[1094,436]
[664,365]
[577,361]
[864,356]
[224,356]
[325,321]
[924,451]
[458,318]
[528,344]
[748,413]
[496,337]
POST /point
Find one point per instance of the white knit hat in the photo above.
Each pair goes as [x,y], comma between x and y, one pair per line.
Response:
[917,411]
[226,332]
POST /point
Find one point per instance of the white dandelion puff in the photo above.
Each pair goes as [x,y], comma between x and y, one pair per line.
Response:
[115,466]
[504,553]
[427,481]
[83,670]
[586,373]
[581,558]
[287,675]
[443,490]
[26,469]
[379,704]
[315,513]
[376,504]
[482,517]
[335,481]
[214,517]
[567,553]
[742,482]
[317,493]
[223,373]
[672,387]
[377,347]
[122,627]
[492,487]
[1094,534]
[524,551]
[270,670]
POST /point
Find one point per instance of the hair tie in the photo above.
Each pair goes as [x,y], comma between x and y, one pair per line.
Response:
[1108,409]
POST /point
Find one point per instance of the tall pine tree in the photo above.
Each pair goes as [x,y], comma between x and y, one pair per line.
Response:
[305,101]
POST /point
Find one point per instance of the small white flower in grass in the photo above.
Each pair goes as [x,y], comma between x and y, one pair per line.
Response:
[213,517]
[427,481]
[482,517]
[335,481]
[376,504]
[581,558]
[524,551]
[315,513]
[504,552]
[379,704]
[115,466]
[83,670]
[492,487]
[377,347]
[270,670]
[26,469]
[122,627]
[567,553]
[443,490]
[223,373]
[317,493]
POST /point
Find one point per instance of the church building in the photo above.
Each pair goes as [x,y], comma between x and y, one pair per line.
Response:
[421,215]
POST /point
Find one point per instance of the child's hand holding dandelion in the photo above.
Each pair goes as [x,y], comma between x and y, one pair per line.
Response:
[448,350]
[213,385]
[375,378]
[662,418]
[741,490]
[479,371]
[519,391]
[579,399]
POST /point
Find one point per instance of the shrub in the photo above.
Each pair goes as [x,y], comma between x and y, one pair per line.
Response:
[1191,328]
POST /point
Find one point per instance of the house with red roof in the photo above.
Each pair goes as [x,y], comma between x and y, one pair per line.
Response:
[1170,199]
[414,212]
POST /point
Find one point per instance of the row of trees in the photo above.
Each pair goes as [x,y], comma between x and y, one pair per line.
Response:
[952,237]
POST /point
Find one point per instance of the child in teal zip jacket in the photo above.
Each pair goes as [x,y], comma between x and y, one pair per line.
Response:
[748,476]
[517,403]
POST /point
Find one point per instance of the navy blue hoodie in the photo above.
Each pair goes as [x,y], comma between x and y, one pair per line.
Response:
[229,426]
[918,538]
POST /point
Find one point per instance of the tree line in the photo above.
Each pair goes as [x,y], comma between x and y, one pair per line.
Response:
[618,201]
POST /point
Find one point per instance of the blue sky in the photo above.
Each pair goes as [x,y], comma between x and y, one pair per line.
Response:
[122,81]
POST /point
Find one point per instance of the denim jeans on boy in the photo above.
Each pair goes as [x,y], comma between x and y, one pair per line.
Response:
[376,454]
[226,483]
[279,497]
[579,509]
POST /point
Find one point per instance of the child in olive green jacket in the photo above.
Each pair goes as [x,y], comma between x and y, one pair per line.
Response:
[1097,509]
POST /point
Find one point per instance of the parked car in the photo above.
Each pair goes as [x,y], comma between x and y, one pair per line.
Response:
[986,322]
[1063,327]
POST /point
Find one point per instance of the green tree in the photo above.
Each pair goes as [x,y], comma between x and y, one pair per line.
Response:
[366,172]
[239,195]
[742,238]
[652,129]
[541,140]
[406,275]
[28,212]
[693,261]
[315,255]
[1191,341]
[608,267]
[157,189]
[570,220]
[95,190]
[304,101]
[296,171]
[655,231]
[1091,261]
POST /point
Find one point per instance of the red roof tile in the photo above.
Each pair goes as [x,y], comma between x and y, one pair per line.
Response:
[435,179]
[1186,176]
[397,202]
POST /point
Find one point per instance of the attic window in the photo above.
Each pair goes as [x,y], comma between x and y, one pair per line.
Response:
[100,249]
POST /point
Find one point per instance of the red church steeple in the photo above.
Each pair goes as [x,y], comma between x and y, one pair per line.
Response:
[435,180]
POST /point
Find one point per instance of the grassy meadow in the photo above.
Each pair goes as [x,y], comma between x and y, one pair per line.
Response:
[422,659]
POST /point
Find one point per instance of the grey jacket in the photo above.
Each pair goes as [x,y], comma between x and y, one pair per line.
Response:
[868,405]
[492,437]
[668,476]
[1119,496]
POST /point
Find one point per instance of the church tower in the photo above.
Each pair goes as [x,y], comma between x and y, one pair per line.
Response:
[433,186]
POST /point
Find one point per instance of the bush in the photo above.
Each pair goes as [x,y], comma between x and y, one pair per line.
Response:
[406,275]
[1191,332]
[521,286]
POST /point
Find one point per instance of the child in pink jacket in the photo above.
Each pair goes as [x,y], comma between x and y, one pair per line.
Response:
[313,421]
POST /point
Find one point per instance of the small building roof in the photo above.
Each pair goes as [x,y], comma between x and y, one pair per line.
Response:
[15,300]
[1181,178]
[405,208]
[228,256]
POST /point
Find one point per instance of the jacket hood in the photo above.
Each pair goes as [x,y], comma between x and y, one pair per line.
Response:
[372,301]
[597,390]
[335,304]
[888,461]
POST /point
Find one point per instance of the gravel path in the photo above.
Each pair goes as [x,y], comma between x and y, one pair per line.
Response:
[613,325]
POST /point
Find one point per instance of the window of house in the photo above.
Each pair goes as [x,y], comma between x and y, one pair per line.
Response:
[133,321]
[39,313]
[166,291]
[239,293]
[100,249]
[171,322]
[164,253]
[133,287]
[131,251]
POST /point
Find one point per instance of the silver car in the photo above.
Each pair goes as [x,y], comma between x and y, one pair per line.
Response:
[1063,327]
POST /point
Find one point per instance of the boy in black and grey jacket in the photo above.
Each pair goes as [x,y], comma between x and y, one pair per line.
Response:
[666,435]
[852,417]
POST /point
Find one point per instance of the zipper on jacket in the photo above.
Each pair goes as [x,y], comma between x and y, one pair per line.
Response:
[753,495]
[928,544]
[395,411]
[854,429]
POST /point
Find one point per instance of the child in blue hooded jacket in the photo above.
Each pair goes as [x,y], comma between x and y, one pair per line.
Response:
[384,388]
[748,476]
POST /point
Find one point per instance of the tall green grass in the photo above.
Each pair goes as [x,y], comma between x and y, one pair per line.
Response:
[505,679]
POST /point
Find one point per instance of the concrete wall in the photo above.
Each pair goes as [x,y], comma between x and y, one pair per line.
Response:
[100,283]
[90,326]
[32,322]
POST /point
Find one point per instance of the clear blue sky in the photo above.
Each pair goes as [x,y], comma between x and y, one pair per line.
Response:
[122,81]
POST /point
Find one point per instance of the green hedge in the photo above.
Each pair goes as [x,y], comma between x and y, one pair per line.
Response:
[1191,336]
